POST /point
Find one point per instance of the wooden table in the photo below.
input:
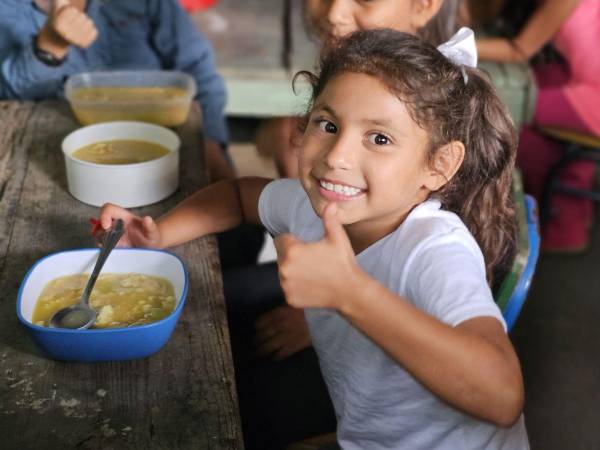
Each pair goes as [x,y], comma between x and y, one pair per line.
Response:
[180,398]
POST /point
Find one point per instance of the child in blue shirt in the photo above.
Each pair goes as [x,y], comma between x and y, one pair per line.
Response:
[389,241]
[43,42]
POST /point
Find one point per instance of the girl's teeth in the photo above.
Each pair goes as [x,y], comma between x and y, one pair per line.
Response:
[340,189]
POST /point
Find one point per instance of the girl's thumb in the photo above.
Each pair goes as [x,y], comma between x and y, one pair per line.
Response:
[59,4]
[282,243]
[150,228]
[331,222]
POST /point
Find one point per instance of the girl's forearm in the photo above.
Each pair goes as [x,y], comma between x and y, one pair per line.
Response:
[537,32]
[468,366]
[215,208]
[501,50]
[544,24]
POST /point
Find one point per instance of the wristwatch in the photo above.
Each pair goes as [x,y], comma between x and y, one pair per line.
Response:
[46,57]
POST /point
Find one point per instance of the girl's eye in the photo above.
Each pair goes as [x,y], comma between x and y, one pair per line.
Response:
[379,139]
[327,126]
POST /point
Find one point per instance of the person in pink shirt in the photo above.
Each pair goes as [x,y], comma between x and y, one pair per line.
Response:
[568,97]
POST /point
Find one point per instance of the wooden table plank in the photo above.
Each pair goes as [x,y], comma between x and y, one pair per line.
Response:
[183,396]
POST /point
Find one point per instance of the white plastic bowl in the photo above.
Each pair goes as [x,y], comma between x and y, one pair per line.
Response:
[105,344]
[128,185]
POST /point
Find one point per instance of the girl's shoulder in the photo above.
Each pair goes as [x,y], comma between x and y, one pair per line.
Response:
[284,207]
[430,231]
[428,221]
[438,265]
[284,188]
[426,226]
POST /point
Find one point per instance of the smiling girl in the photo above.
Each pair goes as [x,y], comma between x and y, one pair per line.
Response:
[388,240]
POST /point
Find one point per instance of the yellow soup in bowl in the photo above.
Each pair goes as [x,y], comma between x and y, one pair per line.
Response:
[120,151]
[121,300]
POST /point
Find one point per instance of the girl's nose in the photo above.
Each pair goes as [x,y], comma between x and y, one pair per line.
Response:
[340,155]
[339,13]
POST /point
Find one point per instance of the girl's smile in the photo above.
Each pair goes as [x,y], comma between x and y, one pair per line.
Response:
[337,191]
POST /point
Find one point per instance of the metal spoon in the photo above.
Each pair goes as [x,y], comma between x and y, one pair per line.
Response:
[81,315]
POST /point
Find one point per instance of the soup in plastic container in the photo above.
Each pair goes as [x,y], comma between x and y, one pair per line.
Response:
[160,97]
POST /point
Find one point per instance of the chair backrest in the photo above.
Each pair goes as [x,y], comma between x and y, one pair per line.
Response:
[512,292]
[572,137]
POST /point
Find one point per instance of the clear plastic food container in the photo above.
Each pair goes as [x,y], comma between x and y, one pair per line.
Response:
[160,97]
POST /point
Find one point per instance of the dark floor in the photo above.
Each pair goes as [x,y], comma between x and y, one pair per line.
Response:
[557,338]
[557,335]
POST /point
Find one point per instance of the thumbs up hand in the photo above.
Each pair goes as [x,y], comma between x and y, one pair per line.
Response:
[66,25]
[73,25]
[319,274]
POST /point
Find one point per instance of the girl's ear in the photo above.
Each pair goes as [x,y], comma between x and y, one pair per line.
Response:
[423,11]
[446,162]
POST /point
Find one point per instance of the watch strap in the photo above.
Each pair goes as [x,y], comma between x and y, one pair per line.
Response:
[46,57]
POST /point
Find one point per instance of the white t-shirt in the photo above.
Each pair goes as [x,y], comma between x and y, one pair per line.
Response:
[433,261]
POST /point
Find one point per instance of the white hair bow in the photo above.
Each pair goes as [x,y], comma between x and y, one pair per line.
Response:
[461,50]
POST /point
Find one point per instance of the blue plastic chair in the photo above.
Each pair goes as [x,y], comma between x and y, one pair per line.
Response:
[512,293]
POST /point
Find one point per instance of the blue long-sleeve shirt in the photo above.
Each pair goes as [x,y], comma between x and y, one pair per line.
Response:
[132,34]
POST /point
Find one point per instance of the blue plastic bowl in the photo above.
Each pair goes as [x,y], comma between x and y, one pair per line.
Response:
[108,344]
